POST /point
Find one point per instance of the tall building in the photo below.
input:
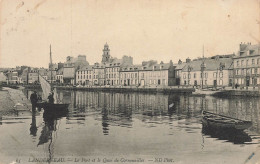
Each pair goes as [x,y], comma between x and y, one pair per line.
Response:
[247,65]
[106,54]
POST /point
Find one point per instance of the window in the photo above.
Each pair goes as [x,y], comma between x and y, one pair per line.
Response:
[214,74]
[220,82]
[189,75]
[237,63]
[253,61]
[184,75]
[258,61]
[220,74]
[242,62]
[237,72]
[194,75]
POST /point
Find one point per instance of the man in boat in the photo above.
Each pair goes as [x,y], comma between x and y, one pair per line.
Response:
[34,99]
[50,98]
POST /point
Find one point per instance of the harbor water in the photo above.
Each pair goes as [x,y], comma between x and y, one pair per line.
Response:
[103,127]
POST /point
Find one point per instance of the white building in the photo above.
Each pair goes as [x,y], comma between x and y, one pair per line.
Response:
[214,74]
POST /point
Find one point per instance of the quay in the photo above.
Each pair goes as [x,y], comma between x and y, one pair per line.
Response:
[166,90]
[246,93]
[226,92]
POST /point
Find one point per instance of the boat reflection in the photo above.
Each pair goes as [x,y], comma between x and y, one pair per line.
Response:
[50,122]
[48,131]
[33,128]
[230,135]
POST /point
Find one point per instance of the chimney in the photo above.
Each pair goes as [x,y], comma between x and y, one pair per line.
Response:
[188,60]
[179,62]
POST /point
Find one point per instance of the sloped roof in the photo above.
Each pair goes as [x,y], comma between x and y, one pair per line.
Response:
[211,64]
[248,50]
[60,71]
[146,67]
[179,66]
[86,68]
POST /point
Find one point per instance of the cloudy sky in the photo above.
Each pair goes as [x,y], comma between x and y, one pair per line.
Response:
[161,30]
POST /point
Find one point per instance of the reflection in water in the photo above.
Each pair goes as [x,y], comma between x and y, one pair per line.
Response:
[48,131]
[33,128]
[231,135]
[120,109]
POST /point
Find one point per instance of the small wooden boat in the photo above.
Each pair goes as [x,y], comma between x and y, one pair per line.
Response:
[214,120]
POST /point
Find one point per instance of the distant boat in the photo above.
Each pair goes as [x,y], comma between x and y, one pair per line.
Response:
[204,92]
[47,88]
[214,120]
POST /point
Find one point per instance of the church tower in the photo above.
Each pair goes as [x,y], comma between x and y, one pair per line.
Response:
[106,54]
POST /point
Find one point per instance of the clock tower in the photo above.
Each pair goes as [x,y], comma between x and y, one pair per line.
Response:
[106,54]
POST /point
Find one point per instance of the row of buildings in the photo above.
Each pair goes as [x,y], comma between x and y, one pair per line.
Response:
[240,69]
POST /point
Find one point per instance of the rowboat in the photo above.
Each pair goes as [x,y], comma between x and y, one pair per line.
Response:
[214,120]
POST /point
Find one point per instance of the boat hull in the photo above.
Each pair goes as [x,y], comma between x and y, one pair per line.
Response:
[53,107]
[219,121]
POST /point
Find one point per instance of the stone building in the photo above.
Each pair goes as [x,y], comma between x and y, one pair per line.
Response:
[247,65]
[112,66]
[84,76]
[71,66]
[148,74]
[207,72]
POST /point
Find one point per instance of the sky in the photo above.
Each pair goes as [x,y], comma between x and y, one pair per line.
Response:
[161,30]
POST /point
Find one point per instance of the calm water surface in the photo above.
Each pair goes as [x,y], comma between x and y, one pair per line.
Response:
[129,126]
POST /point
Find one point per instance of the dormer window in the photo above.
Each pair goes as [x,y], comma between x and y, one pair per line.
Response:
[144,67]
[251,52]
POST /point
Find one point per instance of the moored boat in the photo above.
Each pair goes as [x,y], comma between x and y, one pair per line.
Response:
[214,120]
[57,105]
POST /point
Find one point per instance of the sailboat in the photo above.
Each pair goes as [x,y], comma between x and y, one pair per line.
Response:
[47,89]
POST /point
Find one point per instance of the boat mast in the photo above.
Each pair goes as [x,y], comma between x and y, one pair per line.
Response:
[51,63]
[202,68]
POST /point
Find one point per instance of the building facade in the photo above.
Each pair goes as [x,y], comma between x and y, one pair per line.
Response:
[149,74]
[207,72]
[247,65]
